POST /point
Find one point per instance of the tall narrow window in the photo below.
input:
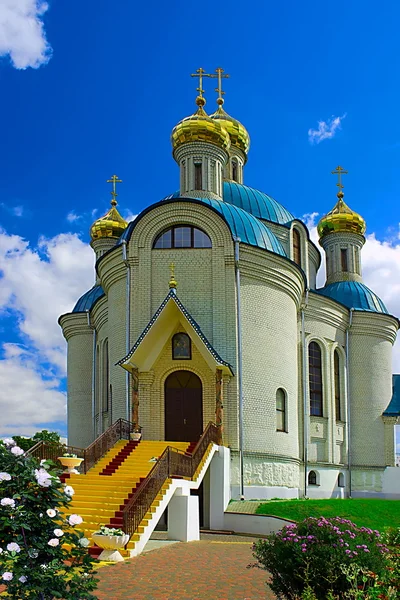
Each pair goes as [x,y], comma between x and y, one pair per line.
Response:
[106,377]
[280,410]
[234,170]
[343,258]
[357,260]
[336,366]
[315,379]
[296,247]
[198,176]
[312,478]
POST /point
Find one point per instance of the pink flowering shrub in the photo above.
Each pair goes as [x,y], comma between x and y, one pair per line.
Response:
[313,556]
[34,564]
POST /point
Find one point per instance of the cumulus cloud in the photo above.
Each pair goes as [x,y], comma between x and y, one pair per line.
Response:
[72,217]
[22,35]
[326,129]
[37,285]
[128,215]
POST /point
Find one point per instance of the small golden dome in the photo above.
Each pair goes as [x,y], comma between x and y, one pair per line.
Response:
[341,219]
[112,225]
[200,128]
[237,132]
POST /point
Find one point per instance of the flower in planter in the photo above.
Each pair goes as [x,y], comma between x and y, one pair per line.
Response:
[67,455]
[109,531]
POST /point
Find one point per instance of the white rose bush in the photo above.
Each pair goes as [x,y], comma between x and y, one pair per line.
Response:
[34,559]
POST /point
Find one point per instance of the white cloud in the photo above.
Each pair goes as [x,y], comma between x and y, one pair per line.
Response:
[22,35]
[72,217]
[128,215]
[18,211]
[326,129]
[37,285]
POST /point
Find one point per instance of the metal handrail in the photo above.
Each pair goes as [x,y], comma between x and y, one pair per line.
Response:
[171,463]
[121,429]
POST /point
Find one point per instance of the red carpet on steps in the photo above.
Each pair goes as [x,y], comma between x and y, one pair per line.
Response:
[119,458]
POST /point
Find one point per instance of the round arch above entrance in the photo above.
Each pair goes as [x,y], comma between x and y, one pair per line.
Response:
[183,394]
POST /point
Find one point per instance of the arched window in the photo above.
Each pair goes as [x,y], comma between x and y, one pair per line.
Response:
[312,478]
[343,259]
[280,410]
[182,236]
[336,369]
[106,377]
[315,379]
[296,247]
[97,390]
[340,480]
[198,176]
[234,170]
[181,347]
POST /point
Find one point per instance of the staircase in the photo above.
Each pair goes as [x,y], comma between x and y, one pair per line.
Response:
[101,495]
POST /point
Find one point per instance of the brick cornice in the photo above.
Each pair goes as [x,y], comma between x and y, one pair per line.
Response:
[75,324]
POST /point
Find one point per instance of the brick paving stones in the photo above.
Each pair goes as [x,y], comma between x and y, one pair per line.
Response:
[205,570]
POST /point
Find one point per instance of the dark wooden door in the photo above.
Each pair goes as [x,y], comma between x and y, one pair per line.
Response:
[183,407]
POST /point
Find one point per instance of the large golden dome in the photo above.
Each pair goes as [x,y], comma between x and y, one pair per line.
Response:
[341,219]
[112,225]
[200,128]
[237,132]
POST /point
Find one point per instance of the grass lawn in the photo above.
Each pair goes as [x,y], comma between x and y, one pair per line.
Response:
[373,513]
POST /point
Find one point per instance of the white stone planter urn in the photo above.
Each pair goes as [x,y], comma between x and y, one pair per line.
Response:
[70,463]
[136,436]
[111,545]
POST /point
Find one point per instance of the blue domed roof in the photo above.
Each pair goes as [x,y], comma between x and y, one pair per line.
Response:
[241,223]
[354,295]
[86,302]
[253,201]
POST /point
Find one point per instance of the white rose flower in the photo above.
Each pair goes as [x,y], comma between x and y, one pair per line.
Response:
[51,513]
[69,490]
[23,579]
[7,502]
[7,576]
[53,542]
[58,532]
[5,477]
[17,451]
[42,477]
[13,547]
[44,463]
[84,542]
[75,520]
[8,442]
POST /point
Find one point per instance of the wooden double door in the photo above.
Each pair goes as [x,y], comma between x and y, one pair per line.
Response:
[183,407]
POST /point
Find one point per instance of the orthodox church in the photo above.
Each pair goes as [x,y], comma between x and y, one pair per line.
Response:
[205,308]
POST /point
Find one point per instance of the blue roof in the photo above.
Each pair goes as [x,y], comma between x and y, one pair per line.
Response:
[393,410]
[87,301]
[253,201]
[242,224]
[354,295]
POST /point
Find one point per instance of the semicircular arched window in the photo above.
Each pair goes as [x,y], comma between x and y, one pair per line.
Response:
[182,236]
[312,478]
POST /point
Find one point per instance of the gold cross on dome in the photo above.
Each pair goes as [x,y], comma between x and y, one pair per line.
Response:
[219,74]
[339,171]
[200,73]
[114,180]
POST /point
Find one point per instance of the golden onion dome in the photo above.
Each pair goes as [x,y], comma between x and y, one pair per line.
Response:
[237,132]
[341,219]
[200,128]
[112,225]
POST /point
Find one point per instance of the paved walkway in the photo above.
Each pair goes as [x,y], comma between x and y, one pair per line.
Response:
[212,569]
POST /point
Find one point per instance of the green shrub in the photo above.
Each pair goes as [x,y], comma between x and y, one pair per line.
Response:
[34,563]
[311,558]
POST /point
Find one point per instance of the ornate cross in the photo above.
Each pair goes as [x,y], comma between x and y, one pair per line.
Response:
[339,171]
[114,180]
[200,73]
[220,76]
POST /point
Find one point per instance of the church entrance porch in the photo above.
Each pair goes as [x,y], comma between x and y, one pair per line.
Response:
[183,407]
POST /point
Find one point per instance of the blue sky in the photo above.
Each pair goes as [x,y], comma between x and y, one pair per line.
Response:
[95,87]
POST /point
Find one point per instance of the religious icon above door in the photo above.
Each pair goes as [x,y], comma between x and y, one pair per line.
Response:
[181,347]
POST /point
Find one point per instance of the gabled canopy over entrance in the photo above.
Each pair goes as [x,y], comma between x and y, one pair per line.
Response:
[162,326]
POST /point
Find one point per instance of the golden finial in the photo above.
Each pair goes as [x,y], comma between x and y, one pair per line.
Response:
[114,180]
[200,73]
[339,171]
[219,74]
[172,281]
